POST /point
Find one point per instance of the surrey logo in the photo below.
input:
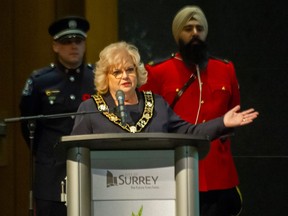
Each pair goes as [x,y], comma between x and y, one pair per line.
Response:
[110,179]
[133,180]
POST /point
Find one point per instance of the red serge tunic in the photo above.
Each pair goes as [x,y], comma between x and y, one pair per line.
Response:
[220,92]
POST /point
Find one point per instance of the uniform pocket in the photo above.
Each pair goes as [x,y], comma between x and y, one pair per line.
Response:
[221,90]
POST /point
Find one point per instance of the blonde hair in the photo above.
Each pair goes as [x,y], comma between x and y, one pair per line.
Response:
[113,55]
[186,14]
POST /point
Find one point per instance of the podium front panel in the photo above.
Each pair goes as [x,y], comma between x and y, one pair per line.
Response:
[129,174]
[123,182]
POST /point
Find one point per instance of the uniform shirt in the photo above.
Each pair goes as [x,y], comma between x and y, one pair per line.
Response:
[220,93]
[48,91]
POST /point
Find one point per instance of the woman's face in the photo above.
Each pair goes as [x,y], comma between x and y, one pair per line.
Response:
[123,76]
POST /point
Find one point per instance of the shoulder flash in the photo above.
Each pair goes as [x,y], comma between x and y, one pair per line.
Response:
[226,61]
[160,60]
[44,70]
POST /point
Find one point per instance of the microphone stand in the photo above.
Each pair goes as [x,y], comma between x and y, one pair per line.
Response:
[32,127]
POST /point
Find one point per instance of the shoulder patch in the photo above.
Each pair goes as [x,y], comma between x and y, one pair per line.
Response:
[160,60]
[27,90]
[226,61]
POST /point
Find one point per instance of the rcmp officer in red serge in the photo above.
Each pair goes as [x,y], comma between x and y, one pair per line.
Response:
[200,87]
[58,88]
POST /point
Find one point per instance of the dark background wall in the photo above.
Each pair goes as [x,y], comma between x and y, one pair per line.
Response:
[252,34]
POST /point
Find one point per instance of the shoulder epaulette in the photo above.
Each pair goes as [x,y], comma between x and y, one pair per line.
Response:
[44,70]
[220,59]
[90,66]
[160,60]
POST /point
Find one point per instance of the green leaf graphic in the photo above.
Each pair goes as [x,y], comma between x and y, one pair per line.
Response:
[139,212]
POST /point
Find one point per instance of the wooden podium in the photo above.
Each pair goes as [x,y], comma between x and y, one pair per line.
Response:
[156,153]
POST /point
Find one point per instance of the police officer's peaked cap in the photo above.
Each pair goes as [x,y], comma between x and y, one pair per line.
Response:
[69,27]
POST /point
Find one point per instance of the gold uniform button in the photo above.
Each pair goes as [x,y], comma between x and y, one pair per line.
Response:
[202,102]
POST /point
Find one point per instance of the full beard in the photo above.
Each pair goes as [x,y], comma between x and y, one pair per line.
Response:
[194,52]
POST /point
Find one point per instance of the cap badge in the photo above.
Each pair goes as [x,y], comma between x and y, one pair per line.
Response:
[72,24]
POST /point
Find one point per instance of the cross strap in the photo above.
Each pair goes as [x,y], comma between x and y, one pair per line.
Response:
[183,89]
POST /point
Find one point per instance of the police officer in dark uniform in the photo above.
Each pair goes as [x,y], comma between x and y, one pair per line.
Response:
[58,88]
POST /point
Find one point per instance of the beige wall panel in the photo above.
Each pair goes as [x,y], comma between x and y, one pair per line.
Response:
[69,7]
[32,50]
[103,17]
[7,164]
[25,45]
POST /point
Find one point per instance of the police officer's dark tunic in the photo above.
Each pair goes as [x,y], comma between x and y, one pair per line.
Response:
[48,91]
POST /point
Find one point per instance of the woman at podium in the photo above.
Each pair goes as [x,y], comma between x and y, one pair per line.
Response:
[119,107]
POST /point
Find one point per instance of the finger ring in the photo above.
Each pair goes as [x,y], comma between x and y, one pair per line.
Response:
[243,119]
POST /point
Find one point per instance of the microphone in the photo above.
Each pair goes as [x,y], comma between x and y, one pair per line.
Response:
[121,108]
